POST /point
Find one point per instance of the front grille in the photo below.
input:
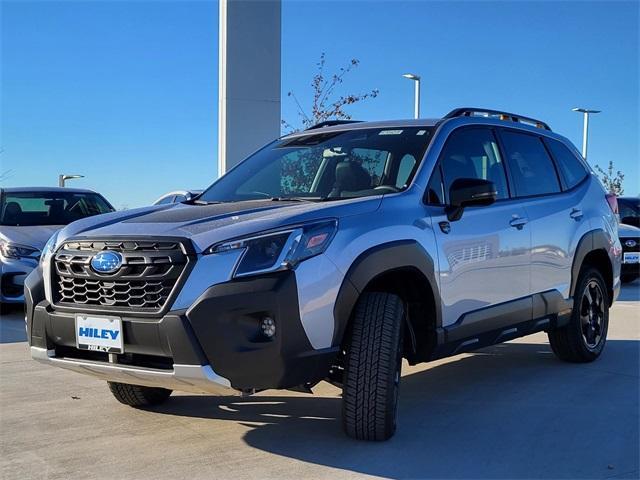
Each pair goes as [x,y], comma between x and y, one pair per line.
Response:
[150,272]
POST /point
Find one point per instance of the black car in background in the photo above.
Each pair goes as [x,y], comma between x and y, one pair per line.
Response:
[629,210]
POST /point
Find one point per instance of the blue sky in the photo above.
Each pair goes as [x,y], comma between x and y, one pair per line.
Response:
[132,86]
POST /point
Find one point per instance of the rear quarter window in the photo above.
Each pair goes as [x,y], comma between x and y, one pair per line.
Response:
[571,168]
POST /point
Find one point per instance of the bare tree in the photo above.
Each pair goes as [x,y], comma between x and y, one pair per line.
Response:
[325,106]
[612,182]
[6,174]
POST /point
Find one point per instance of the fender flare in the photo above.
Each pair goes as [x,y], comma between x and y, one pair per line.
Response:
[375,262]
[590,241]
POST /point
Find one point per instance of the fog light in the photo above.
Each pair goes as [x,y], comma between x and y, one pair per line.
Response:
[268,327]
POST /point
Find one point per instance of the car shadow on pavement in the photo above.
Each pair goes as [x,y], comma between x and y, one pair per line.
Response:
[630,292]
[508,411]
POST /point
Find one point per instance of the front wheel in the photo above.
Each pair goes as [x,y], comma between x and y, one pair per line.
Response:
[138,395]
[583,338]
[372,368]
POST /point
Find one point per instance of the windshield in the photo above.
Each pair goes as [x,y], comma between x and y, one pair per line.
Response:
[326,166]
[25,209]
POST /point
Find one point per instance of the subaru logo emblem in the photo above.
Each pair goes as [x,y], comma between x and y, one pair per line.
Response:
[106,262]
[630,243]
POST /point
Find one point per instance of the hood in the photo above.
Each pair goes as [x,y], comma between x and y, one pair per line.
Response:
[625,230]
[209,224]
[34,237]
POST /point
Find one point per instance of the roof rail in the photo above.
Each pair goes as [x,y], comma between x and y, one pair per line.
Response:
[510,117]
[330,123]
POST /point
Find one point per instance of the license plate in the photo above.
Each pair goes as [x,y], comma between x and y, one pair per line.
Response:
[631,257]
[100,334]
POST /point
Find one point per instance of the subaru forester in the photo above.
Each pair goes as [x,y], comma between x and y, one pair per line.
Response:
[333,254]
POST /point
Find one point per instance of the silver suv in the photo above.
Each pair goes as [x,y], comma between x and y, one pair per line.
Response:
[332,254]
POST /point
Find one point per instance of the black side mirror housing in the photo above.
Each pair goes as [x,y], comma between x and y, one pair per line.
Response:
[468,192]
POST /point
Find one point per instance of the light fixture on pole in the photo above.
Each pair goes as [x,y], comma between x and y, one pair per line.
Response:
[416,107]
[63,178]
[585,128]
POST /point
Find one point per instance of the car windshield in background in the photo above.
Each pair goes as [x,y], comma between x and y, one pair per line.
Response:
[326,166]
[24,209]
[629,209]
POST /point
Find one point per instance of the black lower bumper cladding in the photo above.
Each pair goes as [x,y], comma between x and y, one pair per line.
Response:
[222,329]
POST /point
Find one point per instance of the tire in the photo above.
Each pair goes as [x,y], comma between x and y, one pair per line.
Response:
[137,395]
[628,277]
[372,368]
[583,338]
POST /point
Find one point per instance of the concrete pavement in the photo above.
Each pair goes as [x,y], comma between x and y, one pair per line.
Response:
[509,411]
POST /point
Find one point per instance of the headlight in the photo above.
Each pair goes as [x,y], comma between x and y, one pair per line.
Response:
[49,247]
[16,252]
[280,249]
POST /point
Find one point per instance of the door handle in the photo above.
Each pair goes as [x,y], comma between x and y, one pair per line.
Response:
[518,222]
[576,214]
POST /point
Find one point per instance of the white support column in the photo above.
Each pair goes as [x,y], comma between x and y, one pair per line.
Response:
[585,134]
[249,83]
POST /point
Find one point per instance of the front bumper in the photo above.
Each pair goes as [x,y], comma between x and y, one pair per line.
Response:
[188,378]
[13,273]
[214,346]
[630,268]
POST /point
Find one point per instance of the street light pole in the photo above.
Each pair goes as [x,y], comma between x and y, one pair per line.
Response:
[585,127]
[416,106]
[63,178]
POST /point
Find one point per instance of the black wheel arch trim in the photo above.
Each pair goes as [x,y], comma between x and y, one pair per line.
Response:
[591,241]
[374,262]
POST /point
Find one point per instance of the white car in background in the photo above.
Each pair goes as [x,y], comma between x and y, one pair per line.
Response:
[28,218]
[177,196]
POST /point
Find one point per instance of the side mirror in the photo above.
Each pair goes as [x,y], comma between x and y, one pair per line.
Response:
[468,192]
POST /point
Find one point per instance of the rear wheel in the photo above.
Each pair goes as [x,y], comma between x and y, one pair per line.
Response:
[584,337]
[137,395]
[372,368]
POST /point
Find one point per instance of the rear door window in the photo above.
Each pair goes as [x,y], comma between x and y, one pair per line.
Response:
[571,168]
[531,167]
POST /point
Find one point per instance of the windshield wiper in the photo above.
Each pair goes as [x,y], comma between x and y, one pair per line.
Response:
[333,199]
[200,202]
[294,199]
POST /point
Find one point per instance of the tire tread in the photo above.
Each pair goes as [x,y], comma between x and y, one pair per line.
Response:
[138,395]
[370,367]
